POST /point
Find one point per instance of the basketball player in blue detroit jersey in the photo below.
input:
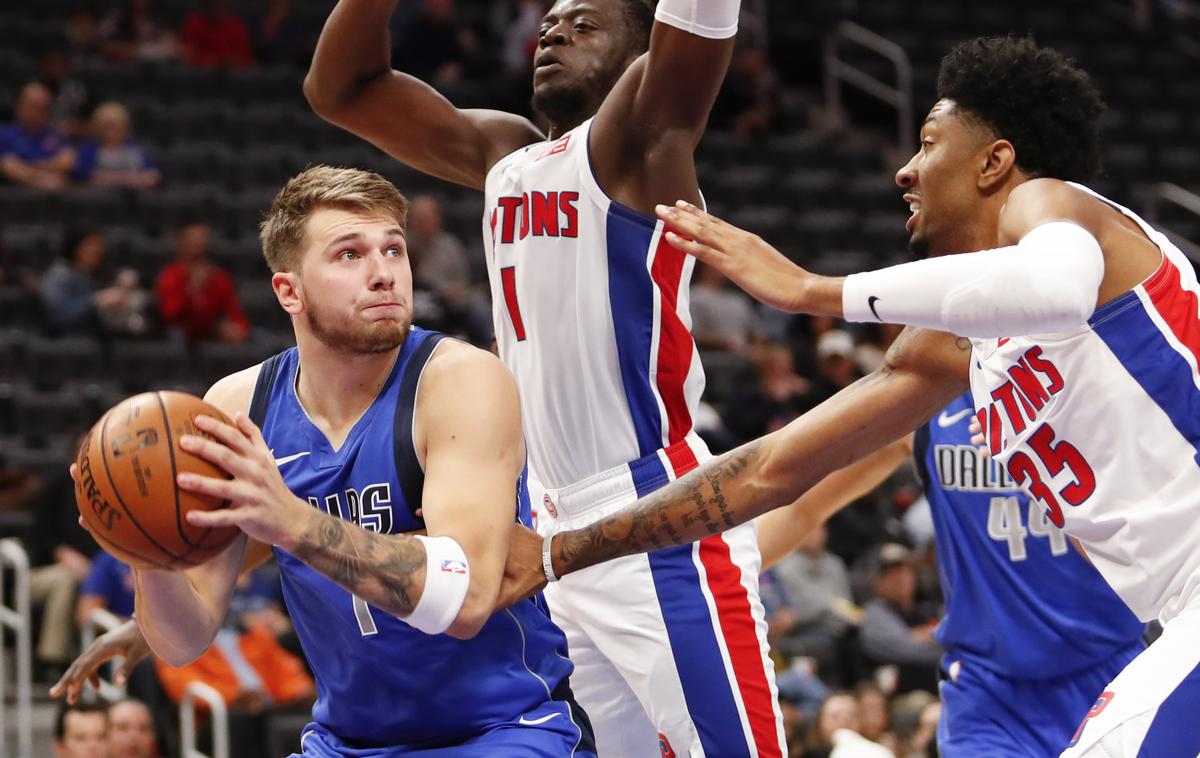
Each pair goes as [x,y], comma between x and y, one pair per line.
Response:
[365,422]
[1032,633]
[591,313]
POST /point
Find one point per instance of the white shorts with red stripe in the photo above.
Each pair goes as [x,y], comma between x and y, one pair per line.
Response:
[670,648]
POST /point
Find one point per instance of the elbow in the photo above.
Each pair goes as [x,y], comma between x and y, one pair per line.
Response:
[317,96]
[475,612]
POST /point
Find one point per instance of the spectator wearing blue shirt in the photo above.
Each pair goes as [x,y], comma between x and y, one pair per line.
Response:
[31,152]
[112,157]
[109,585]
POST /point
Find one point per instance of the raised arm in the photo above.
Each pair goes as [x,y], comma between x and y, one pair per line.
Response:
[924,371]
[646,131]
[351,83]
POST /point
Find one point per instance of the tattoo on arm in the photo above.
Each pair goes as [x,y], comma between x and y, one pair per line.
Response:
[384,570]
[691,508]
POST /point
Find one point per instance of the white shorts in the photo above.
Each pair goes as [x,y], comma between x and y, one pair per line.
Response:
[1152,708]
[670,648]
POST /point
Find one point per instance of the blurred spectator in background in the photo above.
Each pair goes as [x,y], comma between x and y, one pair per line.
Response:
[516,22]
[108,586]
[874,716]
[813,608]
[60,552]
[749,98]
[32,152]
[70,104]
[779,395]
[723,317]
[893,630]
[131,730]
[439,262]
[279,37]
[196,296]
[432,46]
[215,36]
[68,289]
[835,733]
[836,368]
[19,486]
[81,731]
[134,33]
[112,157]
[83,35]
[73,302]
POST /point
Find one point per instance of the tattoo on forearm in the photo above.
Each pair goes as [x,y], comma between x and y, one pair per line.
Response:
[684,511]
[382,569]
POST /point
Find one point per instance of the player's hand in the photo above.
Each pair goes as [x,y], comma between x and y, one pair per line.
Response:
[744,258]
[260,504]
[977,438]
[523,574]
[125,641]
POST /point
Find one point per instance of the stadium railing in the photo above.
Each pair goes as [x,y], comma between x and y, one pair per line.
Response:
[16,617]
[187,721]
[839,71]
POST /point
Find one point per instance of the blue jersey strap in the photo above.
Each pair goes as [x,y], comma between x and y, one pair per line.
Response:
[262,388]
[408,468]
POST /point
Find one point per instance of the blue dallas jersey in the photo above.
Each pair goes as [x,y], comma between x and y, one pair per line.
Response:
[1020,600]
[381,683]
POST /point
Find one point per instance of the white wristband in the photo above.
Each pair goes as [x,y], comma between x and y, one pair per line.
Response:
[714,19]
[447,578]
[547,561]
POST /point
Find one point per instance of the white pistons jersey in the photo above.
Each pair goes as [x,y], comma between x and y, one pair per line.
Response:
[1102,427]
[591,314]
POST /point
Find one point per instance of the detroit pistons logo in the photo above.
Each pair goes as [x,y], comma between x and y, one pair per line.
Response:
[548,506]
[664,747]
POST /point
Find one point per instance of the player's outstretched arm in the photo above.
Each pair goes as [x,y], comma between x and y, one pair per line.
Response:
[1048,275]
[782,530]
[924,371]
[645,133]
[351,83]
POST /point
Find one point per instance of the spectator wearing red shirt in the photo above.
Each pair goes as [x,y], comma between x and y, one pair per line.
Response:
[215,36]
[198,297]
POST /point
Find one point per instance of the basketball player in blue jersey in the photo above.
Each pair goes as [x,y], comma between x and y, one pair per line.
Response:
[1031,631]
[1079,338]
[369,430]
[591,316]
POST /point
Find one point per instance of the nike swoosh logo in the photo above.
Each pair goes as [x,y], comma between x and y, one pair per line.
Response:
[871,304]
[290,458]
[534,722]
[945,421]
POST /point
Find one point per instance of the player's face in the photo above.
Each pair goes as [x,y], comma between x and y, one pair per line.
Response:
[940,182]
[583,48]
[130,731]
[355,283]
[85,735]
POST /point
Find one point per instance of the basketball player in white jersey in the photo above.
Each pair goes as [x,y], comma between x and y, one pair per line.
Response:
[1084,335]
[591,316]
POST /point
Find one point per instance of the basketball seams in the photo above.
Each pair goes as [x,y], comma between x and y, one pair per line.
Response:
[121,501]
[166,420]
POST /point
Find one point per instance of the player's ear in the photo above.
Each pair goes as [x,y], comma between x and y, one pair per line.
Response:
[288,291]
[996,162]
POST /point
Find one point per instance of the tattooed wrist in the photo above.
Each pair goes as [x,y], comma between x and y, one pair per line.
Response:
[682,512]
[387,571]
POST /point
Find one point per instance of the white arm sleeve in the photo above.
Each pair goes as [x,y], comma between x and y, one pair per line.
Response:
[1048,282]
[715,19]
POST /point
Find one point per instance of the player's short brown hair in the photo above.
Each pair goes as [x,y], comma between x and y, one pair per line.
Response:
[283,230]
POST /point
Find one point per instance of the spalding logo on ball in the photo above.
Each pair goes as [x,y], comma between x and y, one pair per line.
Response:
[125,485]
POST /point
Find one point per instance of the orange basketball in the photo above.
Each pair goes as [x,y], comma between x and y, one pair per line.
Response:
[125,485]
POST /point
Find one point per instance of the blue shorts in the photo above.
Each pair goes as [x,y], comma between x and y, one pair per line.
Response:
[555,729]
[985,714]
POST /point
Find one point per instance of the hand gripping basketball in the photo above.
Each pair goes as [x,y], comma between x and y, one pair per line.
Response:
[260,503]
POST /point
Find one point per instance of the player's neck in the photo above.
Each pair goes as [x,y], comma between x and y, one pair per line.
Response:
[335,389]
